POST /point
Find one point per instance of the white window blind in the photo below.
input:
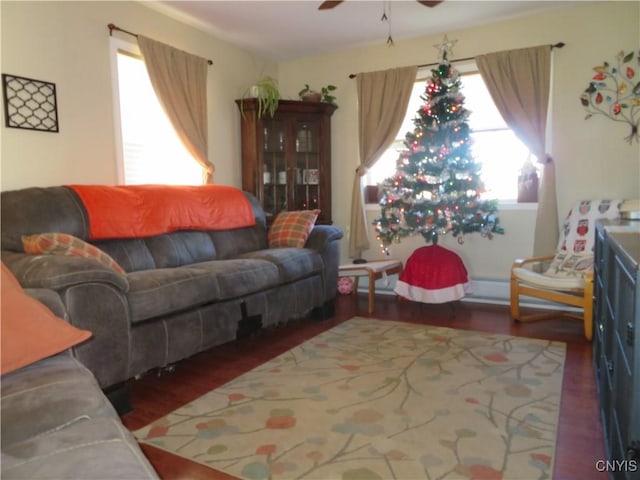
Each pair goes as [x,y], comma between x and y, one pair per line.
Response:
[152,153]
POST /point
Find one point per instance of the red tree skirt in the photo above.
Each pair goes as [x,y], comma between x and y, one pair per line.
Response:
[433,274]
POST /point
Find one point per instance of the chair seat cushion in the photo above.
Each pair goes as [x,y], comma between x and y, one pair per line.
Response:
[547,281]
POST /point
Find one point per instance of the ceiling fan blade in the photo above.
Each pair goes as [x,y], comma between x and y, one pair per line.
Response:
[329,4]
[428,3]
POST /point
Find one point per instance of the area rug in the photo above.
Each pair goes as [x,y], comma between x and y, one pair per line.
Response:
[378,399]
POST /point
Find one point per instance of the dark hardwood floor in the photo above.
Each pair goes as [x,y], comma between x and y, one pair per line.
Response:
[580,438]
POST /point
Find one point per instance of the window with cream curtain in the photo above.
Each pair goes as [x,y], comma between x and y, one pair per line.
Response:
[502,154]
[150,150]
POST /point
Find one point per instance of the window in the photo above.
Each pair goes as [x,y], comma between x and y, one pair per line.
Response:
[495,146]
[150,151]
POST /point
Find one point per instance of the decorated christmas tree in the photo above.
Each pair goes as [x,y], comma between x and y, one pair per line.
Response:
[436,188]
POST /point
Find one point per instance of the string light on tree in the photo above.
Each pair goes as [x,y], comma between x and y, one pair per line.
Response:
[436,188]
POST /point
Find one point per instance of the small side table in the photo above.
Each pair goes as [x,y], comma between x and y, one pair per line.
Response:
[374,270]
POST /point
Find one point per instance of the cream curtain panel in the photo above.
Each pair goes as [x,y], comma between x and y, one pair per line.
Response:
[383,98]
[180,82]
[519,82]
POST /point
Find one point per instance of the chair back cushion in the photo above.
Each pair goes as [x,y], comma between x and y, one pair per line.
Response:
[578,230]
[574,257]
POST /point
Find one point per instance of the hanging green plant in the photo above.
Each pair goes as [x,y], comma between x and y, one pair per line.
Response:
[614,91]
[265,90]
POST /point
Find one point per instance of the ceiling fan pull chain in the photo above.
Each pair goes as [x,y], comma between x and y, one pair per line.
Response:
[384,16]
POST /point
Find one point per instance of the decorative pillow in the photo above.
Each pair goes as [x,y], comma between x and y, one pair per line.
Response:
[578,229]
[63,244]
[570,265]
[30,332]
[291,229]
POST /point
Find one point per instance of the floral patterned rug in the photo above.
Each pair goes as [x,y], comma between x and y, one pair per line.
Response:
[377,399]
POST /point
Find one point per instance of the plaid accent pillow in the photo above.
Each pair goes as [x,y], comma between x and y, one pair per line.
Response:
[291,229]
[63,244]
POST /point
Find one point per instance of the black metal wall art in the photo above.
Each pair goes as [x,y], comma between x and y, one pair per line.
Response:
[29,103]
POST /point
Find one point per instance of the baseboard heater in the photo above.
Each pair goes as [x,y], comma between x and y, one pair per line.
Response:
[489,291]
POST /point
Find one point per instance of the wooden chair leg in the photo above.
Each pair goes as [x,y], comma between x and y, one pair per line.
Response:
[588,310]
[514,299]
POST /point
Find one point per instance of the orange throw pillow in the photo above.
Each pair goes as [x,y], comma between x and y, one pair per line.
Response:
[291,229]
[63,244]
[30,332]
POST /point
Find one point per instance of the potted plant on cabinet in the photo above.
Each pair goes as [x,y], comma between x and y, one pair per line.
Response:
[307,94]
[265,90]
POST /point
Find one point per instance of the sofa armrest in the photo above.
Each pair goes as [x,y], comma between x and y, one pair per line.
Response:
[57,272]
[324,239]
[89,296]
[321,236]
[50,299]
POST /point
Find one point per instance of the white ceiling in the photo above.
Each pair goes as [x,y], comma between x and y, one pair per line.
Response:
[286,30]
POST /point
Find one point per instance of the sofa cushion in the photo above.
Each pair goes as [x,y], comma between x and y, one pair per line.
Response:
[65,244]
[293,263]
[57,423]
[231,243]
[181,248]
[239,277]
[49,393]
[96,448]
[37,210]
[132,254]
[291,229]
[30,332]
[153,293]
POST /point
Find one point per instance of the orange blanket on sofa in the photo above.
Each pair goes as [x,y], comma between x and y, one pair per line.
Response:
[136,211]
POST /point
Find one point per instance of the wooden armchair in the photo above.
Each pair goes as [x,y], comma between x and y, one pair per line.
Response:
[565,278]
[574,293]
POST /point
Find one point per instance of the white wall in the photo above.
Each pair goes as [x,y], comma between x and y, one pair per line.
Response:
[67,43]
[592,158]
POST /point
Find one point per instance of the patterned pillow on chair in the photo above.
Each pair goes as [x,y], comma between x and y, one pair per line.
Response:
[578,230]
[567,264]
[574,258]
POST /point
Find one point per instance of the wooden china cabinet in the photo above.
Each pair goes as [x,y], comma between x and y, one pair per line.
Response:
[286,159]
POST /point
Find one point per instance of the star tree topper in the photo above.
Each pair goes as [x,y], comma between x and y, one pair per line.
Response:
[445,48]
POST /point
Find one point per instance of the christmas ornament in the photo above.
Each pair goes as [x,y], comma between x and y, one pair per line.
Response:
[614,91]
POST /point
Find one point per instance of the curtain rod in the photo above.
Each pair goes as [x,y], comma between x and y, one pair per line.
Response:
[113,27]
[557,45]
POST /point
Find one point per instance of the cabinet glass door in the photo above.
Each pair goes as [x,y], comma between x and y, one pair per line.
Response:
[307,170]
[274,170]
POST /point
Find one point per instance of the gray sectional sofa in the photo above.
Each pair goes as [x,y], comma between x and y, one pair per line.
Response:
[183,292]
[58,424]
